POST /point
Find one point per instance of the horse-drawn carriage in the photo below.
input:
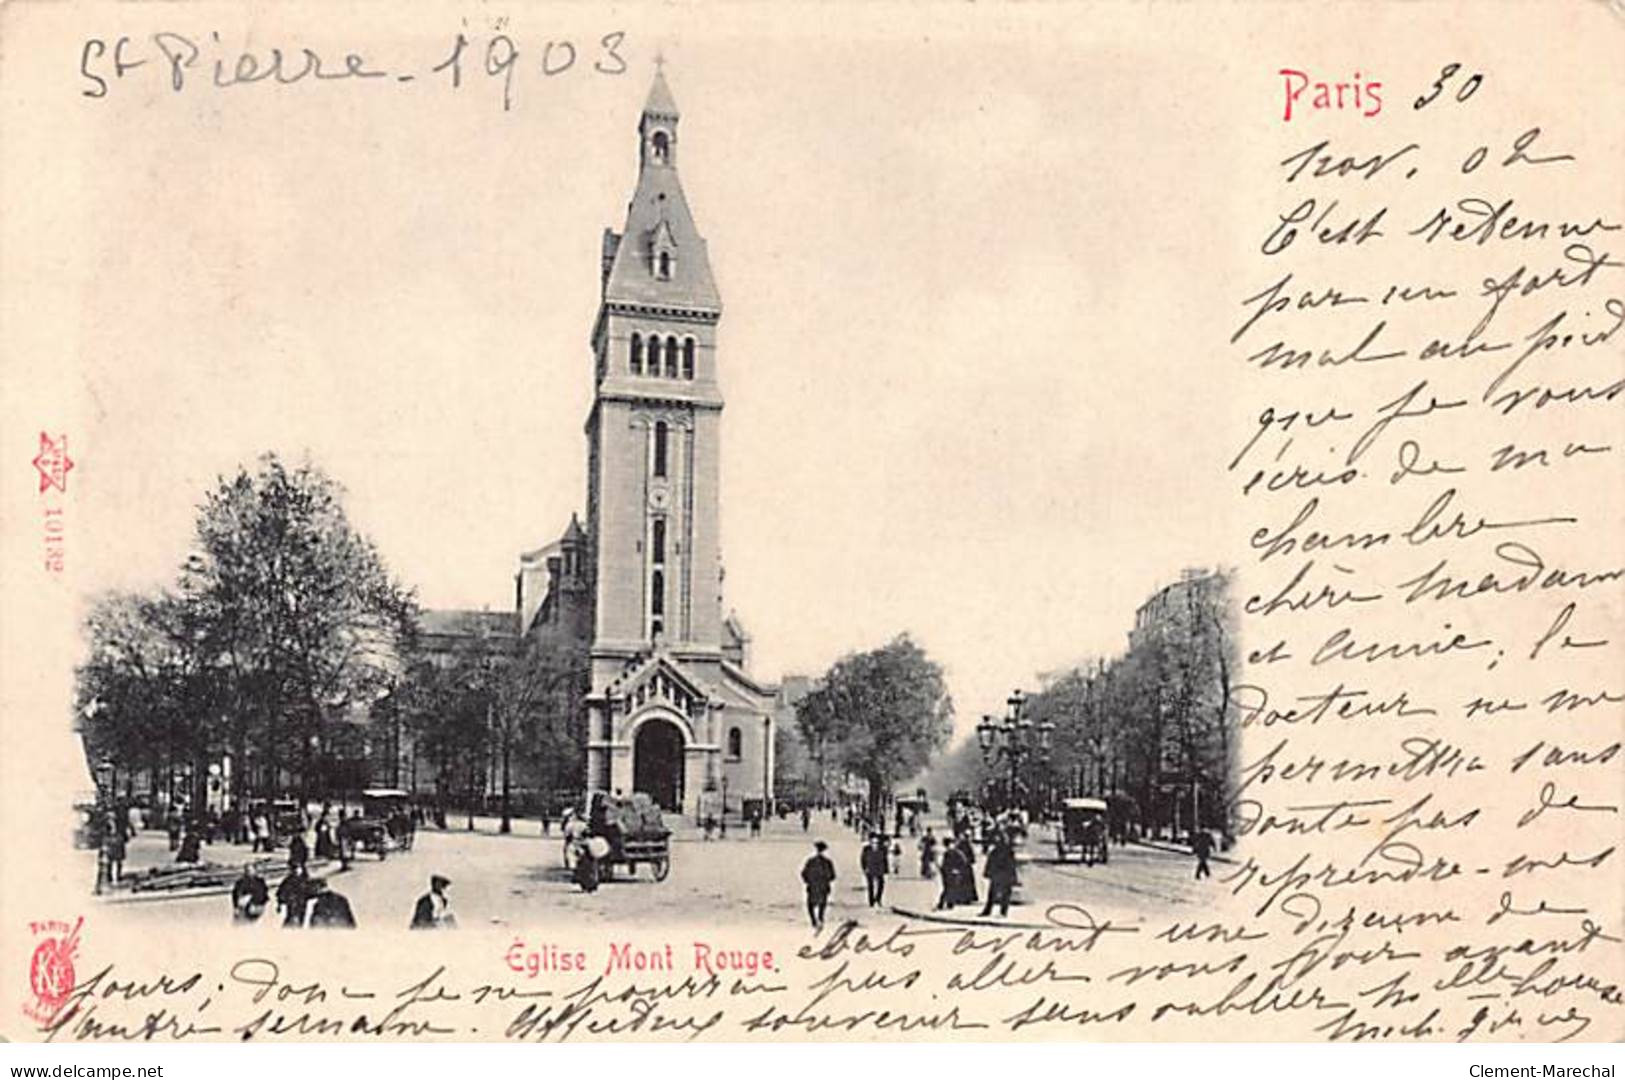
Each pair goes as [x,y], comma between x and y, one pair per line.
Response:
[385,823]
[617,831]
[1082,829]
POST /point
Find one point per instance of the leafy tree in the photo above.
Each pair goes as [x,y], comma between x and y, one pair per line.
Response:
[298,607]
[880,715]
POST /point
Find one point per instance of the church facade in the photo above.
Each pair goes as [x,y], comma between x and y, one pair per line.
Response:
[672,709]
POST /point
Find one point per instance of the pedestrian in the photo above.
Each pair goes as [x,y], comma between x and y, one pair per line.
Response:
[330,909]
[954,872]
[1001,874]
[928,854]
[292,896]
[262,832]
[588,852]
[1202,845]
[249,896]
[818,874]
[966,893]
[806,818]
[173,824]
[347,836]
[547,821]
[114,839]
[298,851]
[896,861]
[873,862]
[755,824]
[433,911]
[189,850]
[326,848]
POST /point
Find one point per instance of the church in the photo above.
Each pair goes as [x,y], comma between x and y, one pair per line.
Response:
[672,709]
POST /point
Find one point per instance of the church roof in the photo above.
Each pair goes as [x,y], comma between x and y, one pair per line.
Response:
[660,101]
[658,204]
[574,533]
[462,622]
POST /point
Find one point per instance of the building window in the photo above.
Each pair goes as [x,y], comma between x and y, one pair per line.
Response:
[654,354]
[657,594]
[736,743]
[665,265]
[662,146]
[688,358]
[671,357]
[659,544]
[637,354]
[660,449]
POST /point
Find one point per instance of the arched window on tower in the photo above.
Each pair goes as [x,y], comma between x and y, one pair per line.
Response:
[660,448]
[659,543]
[671,357]
[688,358]
[736,743]
[662,146]
[654,354]
[663,266]
[637,354]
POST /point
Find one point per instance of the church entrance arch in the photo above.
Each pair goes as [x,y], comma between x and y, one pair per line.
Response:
[657,762]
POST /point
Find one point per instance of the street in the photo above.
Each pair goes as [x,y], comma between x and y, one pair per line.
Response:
[519,881]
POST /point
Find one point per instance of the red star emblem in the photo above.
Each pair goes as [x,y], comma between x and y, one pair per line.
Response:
[53,463]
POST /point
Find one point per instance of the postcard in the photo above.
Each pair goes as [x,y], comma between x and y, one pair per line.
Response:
[853,522]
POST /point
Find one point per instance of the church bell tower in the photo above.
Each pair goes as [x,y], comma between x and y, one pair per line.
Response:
[652,431]
[664,683]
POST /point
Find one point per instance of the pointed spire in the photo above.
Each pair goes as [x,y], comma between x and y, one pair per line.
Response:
[660,101]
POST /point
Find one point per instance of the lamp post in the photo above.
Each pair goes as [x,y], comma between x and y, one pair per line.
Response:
[104,824]
[1012,743]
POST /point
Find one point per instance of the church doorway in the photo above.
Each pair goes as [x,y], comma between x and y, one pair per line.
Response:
[657,762]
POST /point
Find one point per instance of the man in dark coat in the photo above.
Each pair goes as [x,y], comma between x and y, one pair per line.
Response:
[329,908]
[818,874]
[249,897]
[1001,875]
[433,911]
[298,851]
[873,861]
[190,851]
[1202,845]
[292,896]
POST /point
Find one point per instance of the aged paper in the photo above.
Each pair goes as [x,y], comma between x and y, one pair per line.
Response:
[1241,382]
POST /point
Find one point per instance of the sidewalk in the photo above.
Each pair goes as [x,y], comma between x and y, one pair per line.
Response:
[1178,849]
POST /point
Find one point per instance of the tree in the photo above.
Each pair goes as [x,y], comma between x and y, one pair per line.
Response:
[534,697]
[298,607]
[880,715]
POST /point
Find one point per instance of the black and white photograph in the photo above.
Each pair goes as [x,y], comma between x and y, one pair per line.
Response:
[855,523]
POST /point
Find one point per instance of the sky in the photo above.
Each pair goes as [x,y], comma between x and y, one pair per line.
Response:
[962,396]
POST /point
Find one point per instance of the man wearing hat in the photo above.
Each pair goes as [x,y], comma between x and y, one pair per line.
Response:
[329,908]
[818,873]
[873,861]
[433,911]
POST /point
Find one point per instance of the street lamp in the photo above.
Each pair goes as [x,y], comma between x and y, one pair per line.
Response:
[1013,742]
[104,823]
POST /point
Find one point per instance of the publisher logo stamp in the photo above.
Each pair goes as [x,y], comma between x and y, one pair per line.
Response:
[53,464]
[50,969]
